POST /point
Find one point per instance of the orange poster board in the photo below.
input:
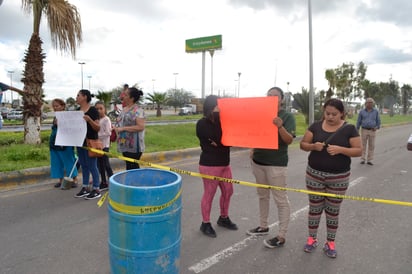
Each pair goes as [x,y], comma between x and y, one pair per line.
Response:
[248,122]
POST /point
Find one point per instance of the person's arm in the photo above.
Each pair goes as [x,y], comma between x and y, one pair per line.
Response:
[94,123]
[378,120]
[284,134]
[306,144]
[355,149]
[105,128]
[139,126]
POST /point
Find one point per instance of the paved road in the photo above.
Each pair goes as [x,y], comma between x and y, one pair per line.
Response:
[44,230]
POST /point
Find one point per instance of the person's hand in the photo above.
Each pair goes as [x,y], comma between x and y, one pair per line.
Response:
[333,149]
[213,143]
[319,146]
[87,118]
[278,122]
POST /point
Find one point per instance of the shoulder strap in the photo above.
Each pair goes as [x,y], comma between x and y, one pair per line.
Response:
[333,135]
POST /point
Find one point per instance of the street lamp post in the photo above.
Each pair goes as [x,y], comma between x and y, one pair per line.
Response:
[153,80]
[81,70]
[238,84]
[311,96]
[11,84]
[175,74]
[89,76]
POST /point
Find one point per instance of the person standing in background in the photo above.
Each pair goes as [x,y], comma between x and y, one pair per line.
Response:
[104,136]
[214,160]
[130,127]
[331,143]
[62,158]
[87,163]
[270,167]
[370,121]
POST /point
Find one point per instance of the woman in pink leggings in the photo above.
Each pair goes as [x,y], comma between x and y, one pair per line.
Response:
[214,160]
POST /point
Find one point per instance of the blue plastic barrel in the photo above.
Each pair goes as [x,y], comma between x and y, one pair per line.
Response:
[145,221]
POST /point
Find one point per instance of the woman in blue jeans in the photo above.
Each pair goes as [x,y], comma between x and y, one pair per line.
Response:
[88,164]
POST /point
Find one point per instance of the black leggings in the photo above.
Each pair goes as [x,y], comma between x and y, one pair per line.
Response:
[133,155]
[104,166]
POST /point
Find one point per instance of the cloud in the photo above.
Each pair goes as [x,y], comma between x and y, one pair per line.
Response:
[377,53]
[282,6]
[394,11]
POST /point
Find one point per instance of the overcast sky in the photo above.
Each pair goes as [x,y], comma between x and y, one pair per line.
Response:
[267,41]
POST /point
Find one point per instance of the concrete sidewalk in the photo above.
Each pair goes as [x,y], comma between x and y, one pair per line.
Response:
[32,176]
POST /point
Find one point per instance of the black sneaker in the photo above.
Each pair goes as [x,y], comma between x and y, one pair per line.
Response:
[94,194]
[208,230]
[82,193]
[274,242]
[103,186]
[226,222]
[258,231]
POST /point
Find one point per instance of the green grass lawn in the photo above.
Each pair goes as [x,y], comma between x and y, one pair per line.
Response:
[17,156]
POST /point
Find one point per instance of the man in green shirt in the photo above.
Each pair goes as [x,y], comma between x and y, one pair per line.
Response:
[269,167]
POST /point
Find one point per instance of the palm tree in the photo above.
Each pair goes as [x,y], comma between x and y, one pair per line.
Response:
[158,99]
[71,103]
[105,97]
[66,33]
[330,77]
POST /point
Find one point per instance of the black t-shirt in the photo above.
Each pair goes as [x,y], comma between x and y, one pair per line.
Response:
[94,115]
[322,160]
[208,131]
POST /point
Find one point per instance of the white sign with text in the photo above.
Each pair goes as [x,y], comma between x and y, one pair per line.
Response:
[71,128]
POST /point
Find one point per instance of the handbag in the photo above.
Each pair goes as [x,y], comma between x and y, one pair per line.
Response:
[96,144]
[113,136]
[409,144]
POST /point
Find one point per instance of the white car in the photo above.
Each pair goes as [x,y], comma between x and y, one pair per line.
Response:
[15,115]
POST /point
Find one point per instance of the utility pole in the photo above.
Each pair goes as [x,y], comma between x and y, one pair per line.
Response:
[311,96]
[175,74]
[11,84]
[89,76]
[238,84]
[81,70]
[211,65]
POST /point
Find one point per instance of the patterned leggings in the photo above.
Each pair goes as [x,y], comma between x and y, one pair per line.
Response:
[336,183]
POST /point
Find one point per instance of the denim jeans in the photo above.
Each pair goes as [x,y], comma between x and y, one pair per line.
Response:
[88,165]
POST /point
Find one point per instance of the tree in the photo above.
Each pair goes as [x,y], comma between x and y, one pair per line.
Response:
[347,79]
[330,77]
[178,98]
[71,103]
[105,97]
[301,102]
[406,94]
[66,33]
[159,99]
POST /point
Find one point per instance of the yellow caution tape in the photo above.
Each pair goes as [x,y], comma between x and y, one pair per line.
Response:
[245,183]
[140,210]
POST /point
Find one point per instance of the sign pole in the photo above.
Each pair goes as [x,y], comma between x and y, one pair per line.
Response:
[203,73]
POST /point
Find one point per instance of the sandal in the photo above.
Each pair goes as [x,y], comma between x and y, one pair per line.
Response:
[57,185]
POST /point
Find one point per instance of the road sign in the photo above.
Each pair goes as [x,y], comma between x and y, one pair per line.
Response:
[204,43]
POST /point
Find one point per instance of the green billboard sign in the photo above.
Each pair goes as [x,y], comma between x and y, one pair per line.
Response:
[204,43]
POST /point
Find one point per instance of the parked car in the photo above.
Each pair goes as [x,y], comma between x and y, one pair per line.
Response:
[4,111]
[15,115]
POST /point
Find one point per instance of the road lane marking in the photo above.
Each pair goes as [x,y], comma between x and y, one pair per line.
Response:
[239,246]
